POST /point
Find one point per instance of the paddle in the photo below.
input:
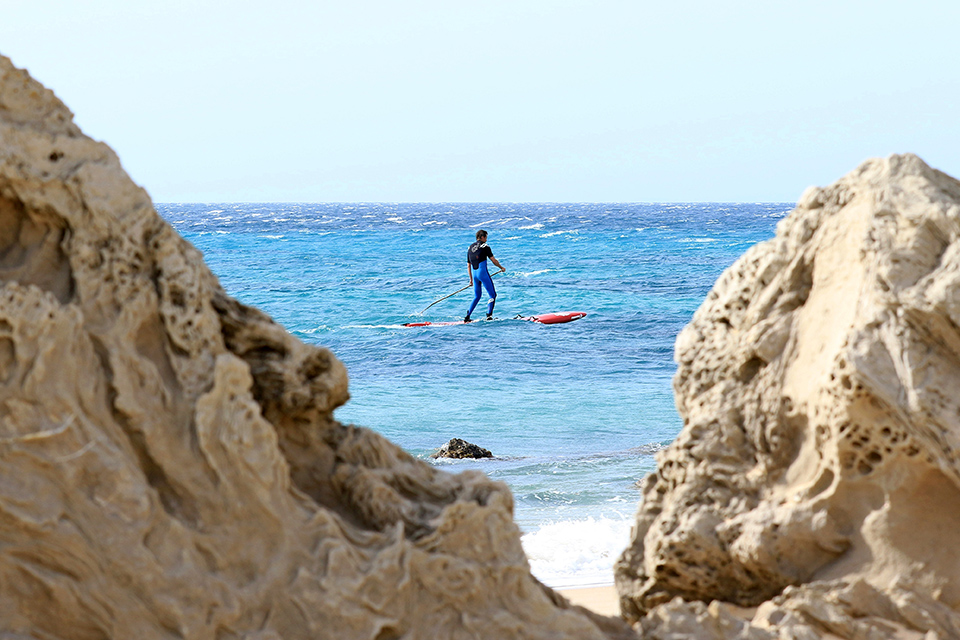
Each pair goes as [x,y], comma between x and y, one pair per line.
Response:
[455,293]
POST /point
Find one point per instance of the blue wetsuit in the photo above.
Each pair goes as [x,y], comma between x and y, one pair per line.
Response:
[477,256]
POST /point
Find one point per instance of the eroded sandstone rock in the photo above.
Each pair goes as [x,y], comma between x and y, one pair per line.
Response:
[821,441]
[169,464]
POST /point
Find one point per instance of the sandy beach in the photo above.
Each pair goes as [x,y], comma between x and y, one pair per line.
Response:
[602,600]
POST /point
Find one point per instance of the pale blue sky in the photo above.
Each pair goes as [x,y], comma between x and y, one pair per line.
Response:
[491,100]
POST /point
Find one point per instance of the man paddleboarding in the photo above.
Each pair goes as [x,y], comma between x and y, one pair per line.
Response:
[477,256]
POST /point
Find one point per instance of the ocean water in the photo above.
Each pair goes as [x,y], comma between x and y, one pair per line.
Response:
[573,413]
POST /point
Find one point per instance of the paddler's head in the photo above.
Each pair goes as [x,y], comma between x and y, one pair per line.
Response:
[481,236]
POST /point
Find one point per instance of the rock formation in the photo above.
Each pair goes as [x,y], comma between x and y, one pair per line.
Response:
[169,464]
[814,490]
[457,448]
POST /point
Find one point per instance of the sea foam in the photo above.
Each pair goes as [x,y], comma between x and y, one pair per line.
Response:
[576,553]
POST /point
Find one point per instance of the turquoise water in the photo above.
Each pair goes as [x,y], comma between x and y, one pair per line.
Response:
[574,413]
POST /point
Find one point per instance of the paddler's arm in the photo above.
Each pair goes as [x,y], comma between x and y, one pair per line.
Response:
[496,262]
[470,272]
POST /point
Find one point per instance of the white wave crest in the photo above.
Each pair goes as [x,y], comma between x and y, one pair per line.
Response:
[318,329]
[576,553]
[373,326]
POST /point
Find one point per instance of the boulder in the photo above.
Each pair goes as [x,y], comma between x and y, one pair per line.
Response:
[169,462]
[817,474]
[457,448]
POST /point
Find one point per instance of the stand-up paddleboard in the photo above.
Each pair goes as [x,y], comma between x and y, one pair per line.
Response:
[543,318]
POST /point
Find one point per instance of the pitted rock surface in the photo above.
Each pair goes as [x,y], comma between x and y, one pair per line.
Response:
[817,474]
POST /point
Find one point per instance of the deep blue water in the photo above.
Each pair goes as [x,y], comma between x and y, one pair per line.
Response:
[574,413]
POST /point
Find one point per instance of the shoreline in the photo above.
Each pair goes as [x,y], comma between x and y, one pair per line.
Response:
[601,599]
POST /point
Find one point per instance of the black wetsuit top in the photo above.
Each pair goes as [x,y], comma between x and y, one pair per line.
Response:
[477,253]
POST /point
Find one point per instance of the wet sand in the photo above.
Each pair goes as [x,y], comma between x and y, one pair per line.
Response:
[603,600]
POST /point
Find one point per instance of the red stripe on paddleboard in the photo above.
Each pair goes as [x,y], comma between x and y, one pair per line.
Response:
[557,318]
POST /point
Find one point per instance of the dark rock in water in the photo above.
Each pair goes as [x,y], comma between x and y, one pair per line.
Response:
[458,448]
